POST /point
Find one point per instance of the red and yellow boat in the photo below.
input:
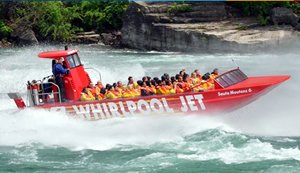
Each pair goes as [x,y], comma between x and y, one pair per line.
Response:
[233,90]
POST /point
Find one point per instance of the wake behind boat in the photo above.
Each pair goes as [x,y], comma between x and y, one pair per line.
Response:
[232,90]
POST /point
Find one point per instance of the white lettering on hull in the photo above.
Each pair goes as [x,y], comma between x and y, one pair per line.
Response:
[234,92]
[120,109]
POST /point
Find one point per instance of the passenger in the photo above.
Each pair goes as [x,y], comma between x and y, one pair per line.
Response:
[194,79]
[148,78]
[169,86]
[177,88]
[132,83]
[115,90]
[173,79]
[214,74]
[163,78]
[177,76]
[134,92]
[86,95]
[92,89]
[199,76]
[153,86]
[167,76]
[182,72]
[187,83]
[205,84]
[59,72]
[156,79]
[145,90]
[161,88]
[99,84]
[110,93]
[99,87]
[144,79]
[127,93]
[182,84]
[120,87]
[101,94]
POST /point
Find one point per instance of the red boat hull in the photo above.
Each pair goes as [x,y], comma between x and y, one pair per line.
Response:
[208,102]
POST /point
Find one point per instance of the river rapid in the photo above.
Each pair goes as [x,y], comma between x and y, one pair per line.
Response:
[261,137]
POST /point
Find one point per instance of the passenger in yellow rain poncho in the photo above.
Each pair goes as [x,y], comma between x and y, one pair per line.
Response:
[214,75]
[205,84]
[86,95]
[165,88]
[127,93]
[110,92]
[194,79]
[132,83]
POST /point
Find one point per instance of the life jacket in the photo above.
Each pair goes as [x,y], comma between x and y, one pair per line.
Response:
[117,93]
[145,91]
[207,85]
[195,81]
[127,94]
[170,89]
[135,85]
[162,90]
[100,96]
[179,90]
[86,97]
[153,90]
[99,86]
[92,91]
[185,86]
[110,95]
[97,90]
[135,92]
[212,77]
[119,89]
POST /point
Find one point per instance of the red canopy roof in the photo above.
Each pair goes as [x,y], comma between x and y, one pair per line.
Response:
[57,54]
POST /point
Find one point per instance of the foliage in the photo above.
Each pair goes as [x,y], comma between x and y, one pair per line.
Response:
[101,14]
[4,29]
[53,20]
[179,8]
[262,9]
[60,20]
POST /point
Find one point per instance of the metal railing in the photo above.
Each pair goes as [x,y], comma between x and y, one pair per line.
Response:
[91,68]
[39,96]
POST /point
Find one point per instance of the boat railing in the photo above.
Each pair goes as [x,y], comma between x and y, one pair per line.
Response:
[96,70]
[42,94]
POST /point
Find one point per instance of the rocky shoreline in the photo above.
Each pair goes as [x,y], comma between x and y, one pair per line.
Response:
[206,27]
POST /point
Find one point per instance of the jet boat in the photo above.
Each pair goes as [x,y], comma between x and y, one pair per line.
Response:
[233,90]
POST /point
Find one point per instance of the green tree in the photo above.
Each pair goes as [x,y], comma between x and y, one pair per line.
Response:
[4,30]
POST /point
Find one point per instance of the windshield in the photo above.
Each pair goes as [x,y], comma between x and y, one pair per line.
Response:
[73,60]
[230,78]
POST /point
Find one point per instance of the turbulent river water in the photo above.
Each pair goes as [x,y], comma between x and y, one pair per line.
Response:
[261,137]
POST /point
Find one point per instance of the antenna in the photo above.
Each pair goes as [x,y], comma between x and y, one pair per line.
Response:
[66,47]
[234,63]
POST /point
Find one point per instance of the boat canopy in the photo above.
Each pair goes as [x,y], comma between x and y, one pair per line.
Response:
[57,54]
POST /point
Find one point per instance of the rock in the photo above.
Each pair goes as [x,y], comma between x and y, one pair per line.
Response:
[185,32]
[282,15]
[297,27]
[87,37]
[112,39]
[23,33]
[4,43]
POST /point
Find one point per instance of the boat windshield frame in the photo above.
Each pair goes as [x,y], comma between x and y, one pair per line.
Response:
[231,77]
[73,60]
